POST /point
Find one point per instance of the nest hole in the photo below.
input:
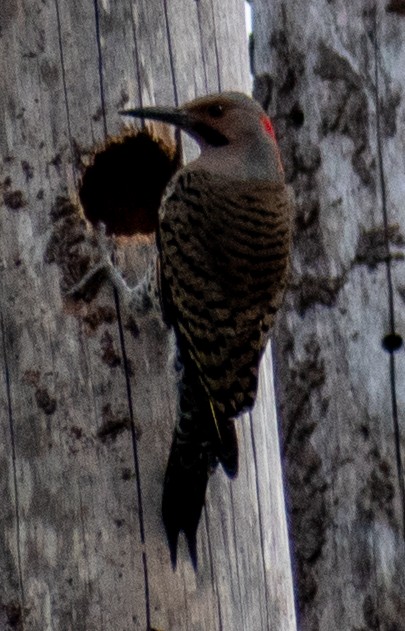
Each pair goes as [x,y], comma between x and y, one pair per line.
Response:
[123,185]
[396,6]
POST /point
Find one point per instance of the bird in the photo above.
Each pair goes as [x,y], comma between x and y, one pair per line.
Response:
[224,240]
[223,249]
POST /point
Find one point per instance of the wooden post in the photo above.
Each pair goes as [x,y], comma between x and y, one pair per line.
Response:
[332,73]
[86,403]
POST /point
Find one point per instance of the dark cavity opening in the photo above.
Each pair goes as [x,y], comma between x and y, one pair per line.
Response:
[124,184]
[392,342]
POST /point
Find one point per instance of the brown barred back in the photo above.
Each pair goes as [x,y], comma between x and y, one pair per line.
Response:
[224,249]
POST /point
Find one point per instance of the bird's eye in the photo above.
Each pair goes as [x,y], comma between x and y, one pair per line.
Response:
[216,110]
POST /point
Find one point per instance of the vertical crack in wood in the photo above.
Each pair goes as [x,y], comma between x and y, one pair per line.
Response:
[397,434]
[391,306]
[382,179]
[216,47]
[85,546]
[221,625]
[136,457]
[259,511]
[13,458]
[199,20]
[236,542]
[127,371]
[137,63]
[65,90]
[171,57]
[100,65]
[211,562]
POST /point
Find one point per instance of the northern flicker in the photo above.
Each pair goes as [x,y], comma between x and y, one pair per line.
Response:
[223,247]
[223,241]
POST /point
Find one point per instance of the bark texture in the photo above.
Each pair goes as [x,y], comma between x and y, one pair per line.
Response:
[331,74]
[87,398]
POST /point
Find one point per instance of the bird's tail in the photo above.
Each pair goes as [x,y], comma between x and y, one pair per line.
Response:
[201,440]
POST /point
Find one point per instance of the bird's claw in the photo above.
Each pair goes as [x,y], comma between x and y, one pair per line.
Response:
[100,272]
[104,244]
[88,285]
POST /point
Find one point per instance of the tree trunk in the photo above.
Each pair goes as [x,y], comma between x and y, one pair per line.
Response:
[87,403]
[332,74]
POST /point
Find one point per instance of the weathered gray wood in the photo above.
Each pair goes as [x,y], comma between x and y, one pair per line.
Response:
[83,448]
[335,111]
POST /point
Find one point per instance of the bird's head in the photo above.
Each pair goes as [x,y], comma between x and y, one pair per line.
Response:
[233,132]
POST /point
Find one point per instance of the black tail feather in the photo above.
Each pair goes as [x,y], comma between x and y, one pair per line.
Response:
[200,441]
[227,450]
[183,500]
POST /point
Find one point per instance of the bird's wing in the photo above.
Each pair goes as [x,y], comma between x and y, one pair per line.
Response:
[224,250]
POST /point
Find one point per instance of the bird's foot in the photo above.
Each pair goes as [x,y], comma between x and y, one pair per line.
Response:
[102,271]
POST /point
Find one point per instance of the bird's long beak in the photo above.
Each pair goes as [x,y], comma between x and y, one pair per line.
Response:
[171,115]
[181,118]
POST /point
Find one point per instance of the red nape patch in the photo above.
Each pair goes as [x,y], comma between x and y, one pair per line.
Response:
[268,126]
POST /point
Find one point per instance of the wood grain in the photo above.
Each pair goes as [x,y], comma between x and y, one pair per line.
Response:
[86,404]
